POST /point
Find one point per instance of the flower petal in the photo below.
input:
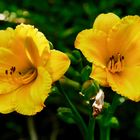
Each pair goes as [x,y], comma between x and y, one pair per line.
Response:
[57,64]
[126,83]
[32,51]
[105,22]
[5,37]
[30,98]
[11,50]
[124,35]
[92,43]
[99,74]
[8,61]
[38,38]
[6,103]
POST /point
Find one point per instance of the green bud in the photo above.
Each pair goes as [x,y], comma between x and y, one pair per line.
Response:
[85,73]
[51,45]
[72,58]
[77,54]
[74,74]
[66,115]
[113,122]
[89,89]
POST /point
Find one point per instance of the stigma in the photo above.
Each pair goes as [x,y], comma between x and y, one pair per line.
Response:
[116,63]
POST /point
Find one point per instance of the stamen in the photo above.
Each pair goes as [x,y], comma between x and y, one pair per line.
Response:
[19,73]
[26,78]
[6,72]
[116,63]
[14,69]
[19,77]
[122,57]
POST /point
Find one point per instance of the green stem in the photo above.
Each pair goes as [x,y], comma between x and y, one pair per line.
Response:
[31,128]
[80,122]
[91,128]
[104,133]
[103,123]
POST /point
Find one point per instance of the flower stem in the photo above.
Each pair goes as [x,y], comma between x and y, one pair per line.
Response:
[31,128]
[104,124]
[104,133]
[91,128]
[79,120]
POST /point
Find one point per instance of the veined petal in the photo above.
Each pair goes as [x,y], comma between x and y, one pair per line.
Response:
[124,35]
[11,50]
[23,31]
[99,74]
[6,103]
[30,98]
[8,61]
[17,47]
[105,22]
[5,57]
[126,83]
[57,64]
[92,44]
[32,51]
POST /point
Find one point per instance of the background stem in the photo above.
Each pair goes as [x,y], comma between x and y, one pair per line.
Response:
[104,122]
[79,120]
[104,133]
[31,128]
[91,128]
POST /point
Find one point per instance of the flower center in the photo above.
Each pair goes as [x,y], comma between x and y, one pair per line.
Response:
[21,77]
[116,63]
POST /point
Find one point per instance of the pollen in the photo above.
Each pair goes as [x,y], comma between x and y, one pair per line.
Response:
[116,63]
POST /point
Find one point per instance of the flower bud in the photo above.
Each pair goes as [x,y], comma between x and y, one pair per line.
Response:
[89,89]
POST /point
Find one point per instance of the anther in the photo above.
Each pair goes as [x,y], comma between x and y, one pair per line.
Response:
[14,68]
[19,73]
[112,56]
[11,68]
[6,72]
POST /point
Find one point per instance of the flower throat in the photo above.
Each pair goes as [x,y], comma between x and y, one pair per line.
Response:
[21,77]
[116,63]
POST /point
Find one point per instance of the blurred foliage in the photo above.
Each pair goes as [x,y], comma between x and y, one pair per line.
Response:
[60,21]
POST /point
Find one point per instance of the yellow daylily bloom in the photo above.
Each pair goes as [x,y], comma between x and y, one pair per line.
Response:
[113,47]
[27,69]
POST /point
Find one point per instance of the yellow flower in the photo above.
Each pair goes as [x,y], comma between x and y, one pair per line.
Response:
[27,69]
[113,47]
